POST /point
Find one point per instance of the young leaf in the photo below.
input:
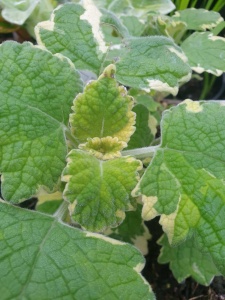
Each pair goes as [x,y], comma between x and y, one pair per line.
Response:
[153,62]
[104,148]
[186,260]
[105,105]
[184,182]
[198,19]
[75,32]
[205,52]
[36,92]
[99,191]
[132,230]
[169,27]
[42,258]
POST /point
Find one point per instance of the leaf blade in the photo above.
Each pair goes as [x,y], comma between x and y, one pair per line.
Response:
[184,176]
[74,31]
[36,94]
[163,64]
[99,191]
[48,259]
[186,260]
[205,52]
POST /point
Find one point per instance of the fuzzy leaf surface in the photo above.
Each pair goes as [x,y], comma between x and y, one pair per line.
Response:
[99,191]
[42,258]
[153,62]
[198,19]
[186,260]
[184,182]
[36,92]
[75,32]
[205,52]
[105,105]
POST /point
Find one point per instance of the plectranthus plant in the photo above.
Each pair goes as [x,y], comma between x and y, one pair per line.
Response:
[78,123]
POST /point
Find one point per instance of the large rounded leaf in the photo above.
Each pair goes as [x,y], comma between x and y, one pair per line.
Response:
[184,182]
[41,258]
[36,93]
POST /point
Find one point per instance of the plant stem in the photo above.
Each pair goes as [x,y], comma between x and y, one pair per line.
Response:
[62,211]
[141,152]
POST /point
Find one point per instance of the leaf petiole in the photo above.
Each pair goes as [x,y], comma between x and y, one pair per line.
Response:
[62,211]
[141,152]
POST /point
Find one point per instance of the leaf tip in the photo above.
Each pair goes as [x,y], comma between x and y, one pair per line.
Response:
[109,72]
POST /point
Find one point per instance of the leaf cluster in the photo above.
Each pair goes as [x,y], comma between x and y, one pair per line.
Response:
[79,130]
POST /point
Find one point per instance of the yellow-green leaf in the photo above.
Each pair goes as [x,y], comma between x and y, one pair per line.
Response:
[99,191]
[104,109]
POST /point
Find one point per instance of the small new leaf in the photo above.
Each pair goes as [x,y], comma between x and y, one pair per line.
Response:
[104,109]
[99,191]
[104,148]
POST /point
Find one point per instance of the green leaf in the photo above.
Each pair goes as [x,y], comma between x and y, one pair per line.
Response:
[163,64]
[186,260]
[198,19]
[136,7]
[17,12]
[145,128]
[36,94]
[99,191]
[134,25]
[42,258]
[75,32]
[105,105]
[205,52]
[184,182]
[148,102]
[132,230]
